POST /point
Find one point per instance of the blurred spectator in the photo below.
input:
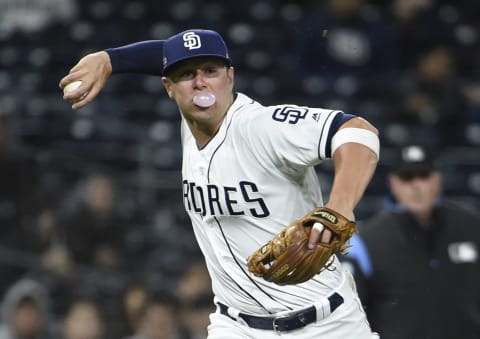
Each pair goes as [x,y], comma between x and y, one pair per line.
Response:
[46,241]
[431,95]
[421,255]
[195,282]
[416,22]
[84,321]
[472,95]
[26,312]
[157,318]
[134,301]
[195,316]
[349,45]
[18,189]
[196,301]
[94,226]
[31,16]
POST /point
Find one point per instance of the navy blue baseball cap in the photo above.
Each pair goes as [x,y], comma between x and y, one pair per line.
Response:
[192,44]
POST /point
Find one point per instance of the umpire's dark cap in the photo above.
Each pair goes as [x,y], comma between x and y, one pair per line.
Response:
[191,44]
[412,161]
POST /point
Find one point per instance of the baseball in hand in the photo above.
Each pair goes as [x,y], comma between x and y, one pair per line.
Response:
[72,86]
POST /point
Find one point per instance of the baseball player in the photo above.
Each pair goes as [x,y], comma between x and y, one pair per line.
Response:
[248,171]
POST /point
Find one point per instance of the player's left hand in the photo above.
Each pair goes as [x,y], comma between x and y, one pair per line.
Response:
[287,259]
[93,70]
[322,234]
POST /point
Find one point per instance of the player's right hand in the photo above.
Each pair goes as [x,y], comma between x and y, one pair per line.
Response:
[93,70]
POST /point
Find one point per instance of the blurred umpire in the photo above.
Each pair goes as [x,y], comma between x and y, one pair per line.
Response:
[417,262]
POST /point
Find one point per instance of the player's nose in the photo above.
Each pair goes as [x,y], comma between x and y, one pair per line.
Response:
[199,79]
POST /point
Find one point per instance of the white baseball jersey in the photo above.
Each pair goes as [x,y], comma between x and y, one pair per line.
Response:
[251,180]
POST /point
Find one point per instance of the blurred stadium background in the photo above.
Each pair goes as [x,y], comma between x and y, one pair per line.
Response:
[410,67]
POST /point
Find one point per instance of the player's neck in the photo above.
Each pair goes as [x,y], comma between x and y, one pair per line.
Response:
[204,132]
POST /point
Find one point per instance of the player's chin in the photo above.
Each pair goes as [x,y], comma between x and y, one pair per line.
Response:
[202,114]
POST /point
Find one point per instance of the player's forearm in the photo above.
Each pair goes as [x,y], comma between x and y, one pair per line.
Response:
[143,57]
[354,167]
[355,164]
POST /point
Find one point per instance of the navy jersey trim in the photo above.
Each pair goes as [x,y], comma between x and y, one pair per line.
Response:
[320,138]
[246,274]
[338,121]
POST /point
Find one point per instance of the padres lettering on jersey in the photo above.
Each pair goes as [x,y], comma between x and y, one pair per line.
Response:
[254,177]
[214,200]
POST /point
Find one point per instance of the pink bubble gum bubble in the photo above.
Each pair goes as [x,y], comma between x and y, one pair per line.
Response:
[204,99]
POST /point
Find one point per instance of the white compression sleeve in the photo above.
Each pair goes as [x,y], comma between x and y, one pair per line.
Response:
[356,135]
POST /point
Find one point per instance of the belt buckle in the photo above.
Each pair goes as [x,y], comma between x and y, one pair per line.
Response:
[275,325]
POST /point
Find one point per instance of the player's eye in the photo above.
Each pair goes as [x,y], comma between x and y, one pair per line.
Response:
[186,75]
[211,70]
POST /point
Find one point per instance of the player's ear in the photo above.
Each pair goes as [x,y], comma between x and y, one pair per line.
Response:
[230,73]
[166,84]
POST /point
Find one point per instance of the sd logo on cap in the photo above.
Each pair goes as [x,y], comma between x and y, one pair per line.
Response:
[191,44]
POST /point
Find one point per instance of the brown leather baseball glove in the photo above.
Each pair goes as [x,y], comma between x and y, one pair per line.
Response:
[287,260]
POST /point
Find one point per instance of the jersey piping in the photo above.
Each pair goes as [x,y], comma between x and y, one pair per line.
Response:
[227,243]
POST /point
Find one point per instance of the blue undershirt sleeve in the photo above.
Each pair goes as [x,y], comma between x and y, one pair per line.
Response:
[143,57]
